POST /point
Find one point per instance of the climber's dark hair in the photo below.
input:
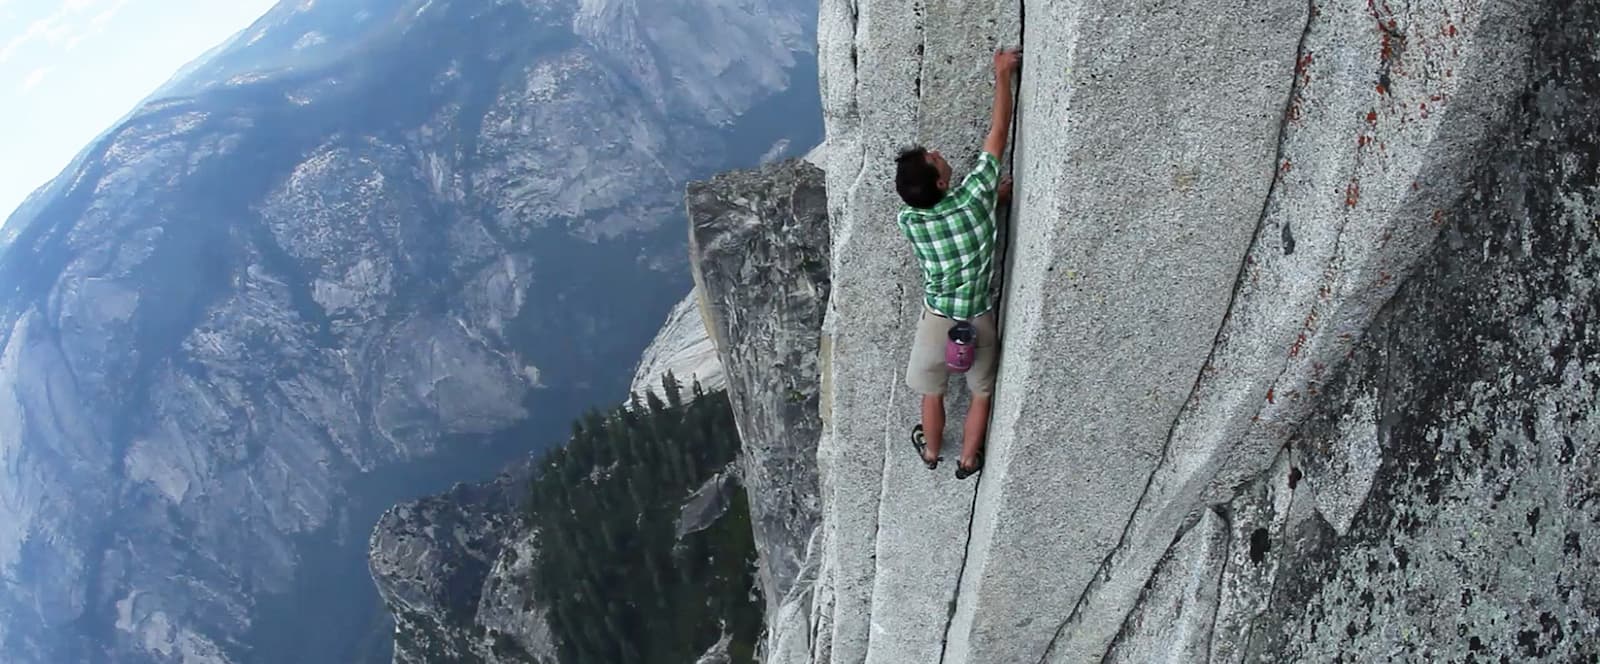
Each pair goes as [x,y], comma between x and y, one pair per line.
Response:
[916,179]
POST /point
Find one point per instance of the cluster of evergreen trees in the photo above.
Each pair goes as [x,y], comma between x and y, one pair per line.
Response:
[620,588]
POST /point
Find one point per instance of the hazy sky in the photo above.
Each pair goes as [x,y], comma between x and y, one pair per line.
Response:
[70,68]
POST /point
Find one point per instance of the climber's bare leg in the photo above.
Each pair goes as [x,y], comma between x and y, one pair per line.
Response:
[933,424]
[972,434]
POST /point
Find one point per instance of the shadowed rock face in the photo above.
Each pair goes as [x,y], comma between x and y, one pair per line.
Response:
[447,566]
[1447,508]
[360,234]
[1296,355]
[759,247]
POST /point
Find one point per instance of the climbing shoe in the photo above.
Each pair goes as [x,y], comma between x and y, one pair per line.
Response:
[963,473]
[921,444]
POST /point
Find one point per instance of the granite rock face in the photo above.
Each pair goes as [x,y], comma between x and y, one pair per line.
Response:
[1294,320]
[1447,506]
[759,246]
[684,348]
[434,560]
[261,286]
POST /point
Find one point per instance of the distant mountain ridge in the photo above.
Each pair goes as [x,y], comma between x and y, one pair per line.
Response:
[437,224]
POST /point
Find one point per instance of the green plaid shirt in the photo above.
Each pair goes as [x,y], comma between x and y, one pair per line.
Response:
[955,241]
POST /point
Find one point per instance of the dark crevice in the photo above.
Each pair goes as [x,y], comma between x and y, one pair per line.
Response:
[1251,632]
[1260,545]
[1226,517]
[1123,632]
[961,571]
[1166,448]
[921,26]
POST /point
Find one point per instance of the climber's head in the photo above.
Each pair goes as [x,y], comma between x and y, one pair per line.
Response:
[921,176]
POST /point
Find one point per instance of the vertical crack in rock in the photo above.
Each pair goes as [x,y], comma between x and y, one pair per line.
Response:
[1299,509]
[1177,607]
[922,525]
[851,453]
[1226,517]
[920,10]
[966,549]
[1002,259]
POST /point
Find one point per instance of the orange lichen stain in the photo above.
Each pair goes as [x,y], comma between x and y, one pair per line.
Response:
[1372,117]
[1382,90]
[1352,194]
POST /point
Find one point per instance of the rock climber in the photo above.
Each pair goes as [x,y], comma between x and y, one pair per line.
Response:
[953,234]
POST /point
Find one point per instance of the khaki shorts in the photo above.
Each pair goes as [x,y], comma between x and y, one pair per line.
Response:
[927,374]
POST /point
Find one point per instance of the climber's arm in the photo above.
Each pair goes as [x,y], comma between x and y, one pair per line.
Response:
[1005,66]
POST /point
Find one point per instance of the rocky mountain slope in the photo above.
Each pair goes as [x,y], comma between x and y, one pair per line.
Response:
[465,572]
[431,559]
[449,565]
[364,233]
[1299,363]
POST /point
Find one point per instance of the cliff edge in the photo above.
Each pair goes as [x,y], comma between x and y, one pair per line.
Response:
[758,241]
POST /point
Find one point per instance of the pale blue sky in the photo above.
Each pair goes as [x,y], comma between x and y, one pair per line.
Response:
[70,68]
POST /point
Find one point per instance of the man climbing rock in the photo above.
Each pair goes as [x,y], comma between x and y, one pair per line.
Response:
[952,233]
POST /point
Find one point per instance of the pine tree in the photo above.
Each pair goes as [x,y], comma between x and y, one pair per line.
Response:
[673,390]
